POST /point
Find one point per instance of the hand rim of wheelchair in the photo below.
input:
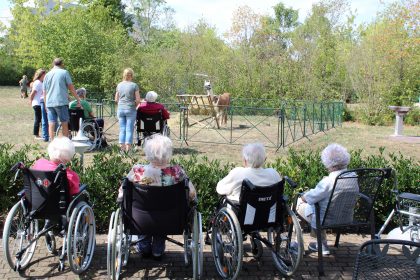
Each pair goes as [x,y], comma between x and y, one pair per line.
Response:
[33,227]
[197,246]
[228,270]
[89,130]
[278,253]
[79,264]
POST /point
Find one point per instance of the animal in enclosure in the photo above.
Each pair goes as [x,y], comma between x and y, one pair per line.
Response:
[221,103]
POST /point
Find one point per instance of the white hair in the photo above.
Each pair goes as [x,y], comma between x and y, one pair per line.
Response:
[254,154]
[61,149]
[335,157]
[158,149]
[151,96]
[81,92]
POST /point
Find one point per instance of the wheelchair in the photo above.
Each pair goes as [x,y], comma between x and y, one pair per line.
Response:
[149,124]
[259,209]
[45,197]
[90,128]
[154,210]
[407,212]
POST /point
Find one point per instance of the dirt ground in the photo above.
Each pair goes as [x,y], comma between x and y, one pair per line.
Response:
[16,122]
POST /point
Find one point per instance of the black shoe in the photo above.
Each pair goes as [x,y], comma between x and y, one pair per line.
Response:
[157,257]
[146,255]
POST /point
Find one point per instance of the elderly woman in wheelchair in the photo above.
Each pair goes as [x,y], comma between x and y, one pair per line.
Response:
[51,193]
[156,200]
[252,202]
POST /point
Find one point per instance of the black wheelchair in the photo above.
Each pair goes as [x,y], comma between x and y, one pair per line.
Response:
[45,197]
[149,124]
[259,209]
[90,128]
[154,210]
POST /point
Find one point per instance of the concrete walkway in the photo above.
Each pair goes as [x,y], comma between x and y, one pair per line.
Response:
[339,265]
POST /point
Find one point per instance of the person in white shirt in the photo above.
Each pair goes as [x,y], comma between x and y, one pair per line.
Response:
[35,99]
[335,158]
[253,161]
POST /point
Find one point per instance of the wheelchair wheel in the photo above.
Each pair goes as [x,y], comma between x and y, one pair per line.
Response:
[197,246]
[120,246]
[287,241]
[90,132]
[81,238]
[17,234]
[109,245]
[50,243]
[226,245]
[256,248]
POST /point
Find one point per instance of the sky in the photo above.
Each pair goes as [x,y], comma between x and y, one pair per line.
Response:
[219,12]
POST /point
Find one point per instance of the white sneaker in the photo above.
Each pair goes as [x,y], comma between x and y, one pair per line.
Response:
[313,246]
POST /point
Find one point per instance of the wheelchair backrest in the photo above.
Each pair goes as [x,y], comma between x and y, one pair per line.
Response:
[155,209]
[46,193]
[75,116]
[260,207]
[150,123]
[353,195]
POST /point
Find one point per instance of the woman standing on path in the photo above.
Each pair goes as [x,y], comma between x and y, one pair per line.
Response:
[127,96]
[35,98]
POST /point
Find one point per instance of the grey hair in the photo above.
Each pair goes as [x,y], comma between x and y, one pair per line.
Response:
[81,92]
[61,149]
[335,157]
[158,149]
[254,154]
[151,96]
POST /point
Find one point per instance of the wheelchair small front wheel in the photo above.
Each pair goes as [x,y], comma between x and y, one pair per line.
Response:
[227,244]
[18,232]
[81,238]
[287,251]
[50,243]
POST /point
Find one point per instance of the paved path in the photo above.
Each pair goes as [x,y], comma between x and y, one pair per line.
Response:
[339,265]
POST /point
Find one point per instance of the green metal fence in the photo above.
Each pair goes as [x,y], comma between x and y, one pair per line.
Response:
[275,123]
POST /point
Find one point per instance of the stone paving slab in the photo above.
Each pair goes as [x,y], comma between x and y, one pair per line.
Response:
[339,265]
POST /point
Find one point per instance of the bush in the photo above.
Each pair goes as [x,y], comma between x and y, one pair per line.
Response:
[413,117]
[104,175]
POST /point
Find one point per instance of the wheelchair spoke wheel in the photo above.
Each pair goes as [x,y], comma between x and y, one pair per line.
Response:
[197,246]
[18,232]
[90,132]
[287,251]
[109,245]
[81,238]
[227,247]
[119,246]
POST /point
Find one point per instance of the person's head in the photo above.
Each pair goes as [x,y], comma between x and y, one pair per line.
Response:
[151,96]
[61,150]
[24,77]
[128,74]
[58,61]
[253,155]
[158,149]
[38,74]
[335,157]
[81,92]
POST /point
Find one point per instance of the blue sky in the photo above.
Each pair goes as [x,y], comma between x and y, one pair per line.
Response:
[219,12]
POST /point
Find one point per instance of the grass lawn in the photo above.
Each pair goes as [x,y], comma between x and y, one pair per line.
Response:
[16,123]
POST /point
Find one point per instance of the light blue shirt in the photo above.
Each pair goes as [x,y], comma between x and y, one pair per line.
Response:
[56,84]
[127,98]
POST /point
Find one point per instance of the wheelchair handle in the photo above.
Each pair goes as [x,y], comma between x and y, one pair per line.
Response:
[292,183]
[60,168]
[17,166]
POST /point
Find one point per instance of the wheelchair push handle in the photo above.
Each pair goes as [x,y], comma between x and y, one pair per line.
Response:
[60,168]
[18,165]
[292,183]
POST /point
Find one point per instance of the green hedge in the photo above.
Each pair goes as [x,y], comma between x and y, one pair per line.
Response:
[104,174]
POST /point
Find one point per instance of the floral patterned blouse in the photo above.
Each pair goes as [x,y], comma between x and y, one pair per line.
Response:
[152,176]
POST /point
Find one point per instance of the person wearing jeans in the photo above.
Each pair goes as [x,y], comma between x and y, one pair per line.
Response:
[127,96]
[35,99]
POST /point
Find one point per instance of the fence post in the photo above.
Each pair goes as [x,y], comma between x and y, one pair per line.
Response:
[304,120]
[321,123]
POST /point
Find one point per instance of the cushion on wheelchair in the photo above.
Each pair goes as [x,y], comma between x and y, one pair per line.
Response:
[75,116]
[259,207]
[43,195]
[155,210]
